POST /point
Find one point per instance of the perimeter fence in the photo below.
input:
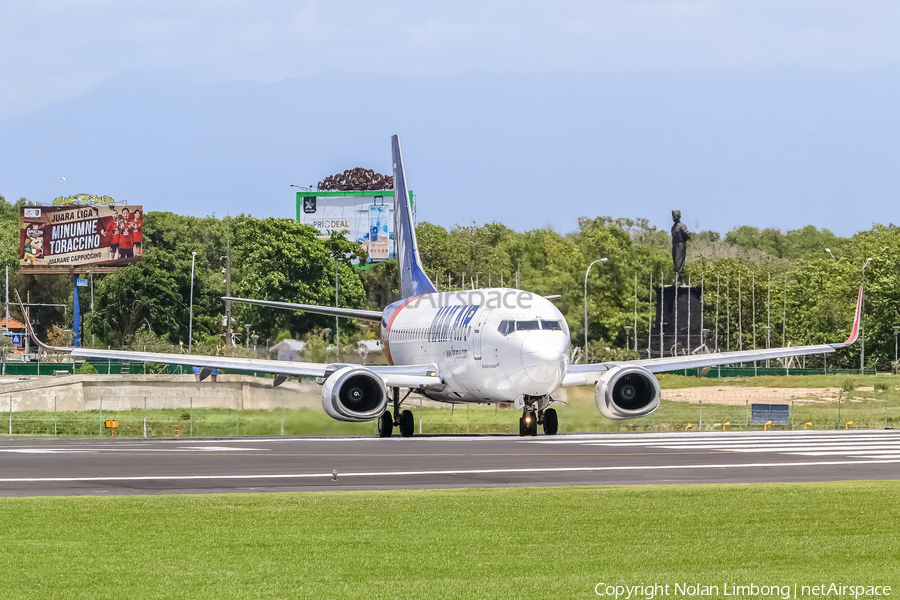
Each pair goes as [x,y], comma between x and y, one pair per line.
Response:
[86,412]
[149,417]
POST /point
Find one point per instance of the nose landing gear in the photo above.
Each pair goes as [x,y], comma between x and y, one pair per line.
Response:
[534,416]
[528,423]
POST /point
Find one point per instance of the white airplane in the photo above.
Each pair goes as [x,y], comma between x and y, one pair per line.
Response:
[485,346]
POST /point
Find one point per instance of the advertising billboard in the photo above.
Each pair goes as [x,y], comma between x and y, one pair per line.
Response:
[66,236]
[367,216]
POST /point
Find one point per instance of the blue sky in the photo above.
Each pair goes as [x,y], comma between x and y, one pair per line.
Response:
[778,113]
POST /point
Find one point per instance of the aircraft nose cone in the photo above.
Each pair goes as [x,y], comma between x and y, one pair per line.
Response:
[543,357]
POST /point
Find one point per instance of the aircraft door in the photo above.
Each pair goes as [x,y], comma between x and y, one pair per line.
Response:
[477,331]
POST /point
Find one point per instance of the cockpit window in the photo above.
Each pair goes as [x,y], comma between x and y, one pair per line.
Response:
[508,327]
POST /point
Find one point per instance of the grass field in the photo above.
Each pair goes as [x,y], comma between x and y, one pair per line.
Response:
[471,543]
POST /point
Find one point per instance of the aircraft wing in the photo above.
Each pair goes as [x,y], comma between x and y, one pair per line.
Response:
[333,311]
[591,373]
[411,376]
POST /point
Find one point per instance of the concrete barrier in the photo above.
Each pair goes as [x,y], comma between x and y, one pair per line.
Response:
[123,392]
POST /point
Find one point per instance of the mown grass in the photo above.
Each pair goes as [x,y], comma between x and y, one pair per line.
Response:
[470,543]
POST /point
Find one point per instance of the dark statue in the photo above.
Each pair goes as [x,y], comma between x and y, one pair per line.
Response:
[680,238]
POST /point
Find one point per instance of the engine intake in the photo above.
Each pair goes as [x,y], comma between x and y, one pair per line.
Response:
[354,394]
[627,393]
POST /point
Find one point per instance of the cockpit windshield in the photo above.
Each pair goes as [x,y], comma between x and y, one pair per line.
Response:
[508,327]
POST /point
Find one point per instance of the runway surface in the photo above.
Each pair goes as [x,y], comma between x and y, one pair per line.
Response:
[41,466]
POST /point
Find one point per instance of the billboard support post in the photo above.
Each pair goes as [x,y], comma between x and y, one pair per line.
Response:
[76,315]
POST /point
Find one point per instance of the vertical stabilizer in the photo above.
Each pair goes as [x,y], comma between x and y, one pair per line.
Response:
[413,280]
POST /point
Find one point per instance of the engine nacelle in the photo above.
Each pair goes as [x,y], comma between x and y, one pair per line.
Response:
[354,394]
[627,393]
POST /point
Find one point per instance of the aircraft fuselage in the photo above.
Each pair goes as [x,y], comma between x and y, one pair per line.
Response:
[490,345]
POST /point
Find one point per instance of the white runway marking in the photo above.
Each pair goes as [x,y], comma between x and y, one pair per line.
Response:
[868,444]
[42,451]
[111,448]
[448,472]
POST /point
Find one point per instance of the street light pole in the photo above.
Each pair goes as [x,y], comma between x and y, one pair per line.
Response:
[862,318]
[191,322]
[627,335]
[896,331]
[585,306]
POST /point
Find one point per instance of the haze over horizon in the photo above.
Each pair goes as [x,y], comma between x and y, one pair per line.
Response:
[752,113]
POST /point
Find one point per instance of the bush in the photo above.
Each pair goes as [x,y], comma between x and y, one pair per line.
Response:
[849,384]
[85,368]
[881,387]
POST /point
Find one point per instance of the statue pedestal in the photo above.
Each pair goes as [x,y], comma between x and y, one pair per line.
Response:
[678,322]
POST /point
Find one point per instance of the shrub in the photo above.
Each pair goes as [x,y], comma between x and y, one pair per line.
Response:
[85,368]
[849,384]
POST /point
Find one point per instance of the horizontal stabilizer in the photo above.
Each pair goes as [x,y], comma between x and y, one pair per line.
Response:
[332,311]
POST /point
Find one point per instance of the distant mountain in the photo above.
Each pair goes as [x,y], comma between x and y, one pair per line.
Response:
[766,148]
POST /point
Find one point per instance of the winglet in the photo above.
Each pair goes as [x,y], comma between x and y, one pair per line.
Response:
[854,332]
[31,331]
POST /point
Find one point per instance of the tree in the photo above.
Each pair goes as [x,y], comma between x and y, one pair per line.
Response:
[283,260]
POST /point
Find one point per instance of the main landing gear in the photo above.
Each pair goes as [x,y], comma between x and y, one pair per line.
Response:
[404,420]
[534,416]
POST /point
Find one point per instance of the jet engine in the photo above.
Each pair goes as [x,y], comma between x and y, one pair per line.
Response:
[627,392]
[354,394]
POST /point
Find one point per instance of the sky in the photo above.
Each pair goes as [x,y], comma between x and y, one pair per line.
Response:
[766,113]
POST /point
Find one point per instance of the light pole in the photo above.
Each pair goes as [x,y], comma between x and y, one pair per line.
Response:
[585,305]
[247,335]
[191,322]
[768,329]
[862,318]
[627,335]
[828,250]
[255,337]
[896,331]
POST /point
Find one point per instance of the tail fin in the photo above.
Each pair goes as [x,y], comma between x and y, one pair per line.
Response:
[413,280]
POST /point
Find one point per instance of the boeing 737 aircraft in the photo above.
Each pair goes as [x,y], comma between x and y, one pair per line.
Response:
[486,346]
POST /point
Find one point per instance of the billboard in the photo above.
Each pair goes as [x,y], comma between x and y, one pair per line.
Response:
[367,216]
[66,236]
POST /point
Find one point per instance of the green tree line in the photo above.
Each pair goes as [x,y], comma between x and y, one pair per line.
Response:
[759,284]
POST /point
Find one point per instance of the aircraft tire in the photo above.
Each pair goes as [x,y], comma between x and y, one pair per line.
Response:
[407,423]
[522,430]
[385,424]
[551,422]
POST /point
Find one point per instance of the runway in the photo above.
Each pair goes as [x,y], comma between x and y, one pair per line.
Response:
[42,466]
